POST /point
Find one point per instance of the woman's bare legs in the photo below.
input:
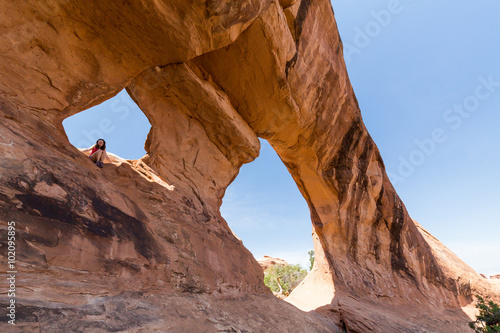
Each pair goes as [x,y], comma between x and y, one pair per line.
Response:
[97,156]
[105,156]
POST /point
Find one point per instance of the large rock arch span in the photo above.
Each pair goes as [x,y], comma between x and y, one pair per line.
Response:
[142,245]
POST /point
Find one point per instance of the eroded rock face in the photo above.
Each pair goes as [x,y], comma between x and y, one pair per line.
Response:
[79,53]
[143,241]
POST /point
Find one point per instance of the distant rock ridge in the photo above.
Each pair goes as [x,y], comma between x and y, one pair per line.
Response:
[266,261]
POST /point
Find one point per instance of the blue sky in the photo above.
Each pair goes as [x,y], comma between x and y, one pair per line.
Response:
[423,64]
[427,79]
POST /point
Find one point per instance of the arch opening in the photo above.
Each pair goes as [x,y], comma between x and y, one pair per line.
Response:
[118,120]
[265,209]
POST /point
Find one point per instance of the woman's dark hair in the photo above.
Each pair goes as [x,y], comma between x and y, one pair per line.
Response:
[103,145]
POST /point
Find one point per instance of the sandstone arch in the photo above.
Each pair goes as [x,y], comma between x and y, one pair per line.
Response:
[148,245]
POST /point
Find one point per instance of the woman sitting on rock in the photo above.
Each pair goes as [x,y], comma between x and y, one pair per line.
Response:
[98,153]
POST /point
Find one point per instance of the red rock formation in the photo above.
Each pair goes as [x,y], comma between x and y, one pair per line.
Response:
[267,261]
[142,243]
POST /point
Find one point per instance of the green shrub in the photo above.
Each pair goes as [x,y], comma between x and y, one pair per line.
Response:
[311,259]
[290,277]
[488,320]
